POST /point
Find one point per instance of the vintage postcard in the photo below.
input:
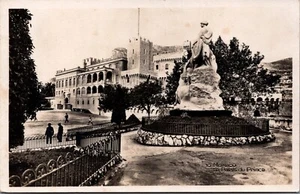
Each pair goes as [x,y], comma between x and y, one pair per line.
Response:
[196,96]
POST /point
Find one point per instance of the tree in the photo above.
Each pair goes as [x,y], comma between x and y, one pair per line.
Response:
[172,83]
[115,99]
[240,72]
[23,84]
[147,95]
[48,89]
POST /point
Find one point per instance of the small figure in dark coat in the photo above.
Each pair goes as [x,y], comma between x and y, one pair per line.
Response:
[60,132]
[49,133]
[66,118]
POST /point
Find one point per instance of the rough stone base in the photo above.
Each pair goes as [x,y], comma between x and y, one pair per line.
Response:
[159,139]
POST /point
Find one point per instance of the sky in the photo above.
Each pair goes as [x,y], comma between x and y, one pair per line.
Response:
[63,37]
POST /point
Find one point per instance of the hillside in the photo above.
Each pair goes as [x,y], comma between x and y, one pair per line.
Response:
[280,66]
[157,49]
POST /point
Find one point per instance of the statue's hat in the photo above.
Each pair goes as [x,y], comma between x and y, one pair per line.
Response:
[204,22]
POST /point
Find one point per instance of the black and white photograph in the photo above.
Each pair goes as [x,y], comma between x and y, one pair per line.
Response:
[149,96]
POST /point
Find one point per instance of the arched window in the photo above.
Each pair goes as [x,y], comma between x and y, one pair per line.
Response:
[167,66]
[259,99]
[88,101]
[100,76]
[74,81]
[109,76]
[82,101]
[70,82]
[252,101]
[94,90]
[94,77]
[88,90]
[83,80]
[74,91]
[267,101]
[78,91]
[93,101]
[89,79]
[66,83]
[100,89]
[83,90]
[62,83]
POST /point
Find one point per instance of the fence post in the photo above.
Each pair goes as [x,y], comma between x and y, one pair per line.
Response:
[119,146]
[78,138]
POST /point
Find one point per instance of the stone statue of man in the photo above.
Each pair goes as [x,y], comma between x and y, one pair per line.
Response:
[200,53]
[198,87]
[200,47]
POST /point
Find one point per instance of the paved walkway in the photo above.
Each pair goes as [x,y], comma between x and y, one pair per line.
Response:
[157,165]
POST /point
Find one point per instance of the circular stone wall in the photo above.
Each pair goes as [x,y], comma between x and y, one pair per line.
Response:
[160,139]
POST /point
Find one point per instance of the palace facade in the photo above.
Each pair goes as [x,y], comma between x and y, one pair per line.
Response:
[80,87]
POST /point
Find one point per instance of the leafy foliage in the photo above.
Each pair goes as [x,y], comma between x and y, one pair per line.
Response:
[172,83]
[23,84]
[147,95]
[48,89]
[116,99]
[240,72]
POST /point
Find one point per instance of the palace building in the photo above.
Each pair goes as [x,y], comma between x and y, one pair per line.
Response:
[80,87]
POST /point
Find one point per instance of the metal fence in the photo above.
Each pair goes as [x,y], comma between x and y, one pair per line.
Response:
[69,138]
[76,168]
[39,141]
[255,127]
[89,128]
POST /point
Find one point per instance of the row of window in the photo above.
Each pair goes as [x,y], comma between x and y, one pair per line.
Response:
[84,79]
[83,90]
[166,67]
[145,51]
[87,102]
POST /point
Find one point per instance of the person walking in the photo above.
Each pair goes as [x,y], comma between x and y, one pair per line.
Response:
[66,118]
[90,121]
[60,132]
[49,133]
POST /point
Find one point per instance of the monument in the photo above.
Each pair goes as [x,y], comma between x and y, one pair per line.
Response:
[199,117]
[199,82]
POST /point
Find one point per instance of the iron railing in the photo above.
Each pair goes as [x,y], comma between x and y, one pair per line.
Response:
[39,141]
[260,127]
[75,168]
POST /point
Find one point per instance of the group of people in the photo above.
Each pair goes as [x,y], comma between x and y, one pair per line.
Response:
[50,132]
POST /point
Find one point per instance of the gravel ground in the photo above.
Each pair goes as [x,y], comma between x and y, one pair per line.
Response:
[263,164]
